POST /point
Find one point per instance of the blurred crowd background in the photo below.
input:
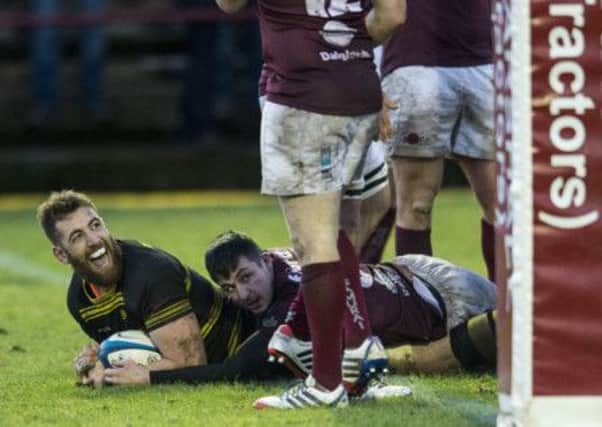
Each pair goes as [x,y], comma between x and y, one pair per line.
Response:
[129,95]
[166,71]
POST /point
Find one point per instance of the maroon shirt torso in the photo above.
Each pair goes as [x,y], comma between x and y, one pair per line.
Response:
[320,64]
[446,33]
[397,314]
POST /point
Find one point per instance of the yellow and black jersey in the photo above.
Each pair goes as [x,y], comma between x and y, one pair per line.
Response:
[156,289]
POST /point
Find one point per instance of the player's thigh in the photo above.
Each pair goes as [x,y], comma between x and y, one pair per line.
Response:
[367,198]
[474,135]
[313,223]
[374,174]
[308,153]
[426,111]
[351,219]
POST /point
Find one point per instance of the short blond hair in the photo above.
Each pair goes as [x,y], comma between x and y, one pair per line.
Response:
[59,205]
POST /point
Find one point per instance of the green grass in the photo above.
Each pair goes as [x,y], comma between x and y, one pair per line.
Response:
[38,338]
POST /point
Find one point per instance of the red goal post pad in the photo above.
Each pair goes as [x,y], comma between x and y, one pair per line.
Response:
[548,77]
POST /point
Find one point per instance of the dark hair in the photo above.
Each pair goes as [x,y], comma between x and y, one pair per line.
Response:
[59,205]
[222,255]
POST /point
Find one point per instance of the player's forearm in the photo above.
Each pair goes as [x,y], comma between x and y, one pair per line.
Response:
[384,18]
[192,375]
[180,344]
[248,364]
[231,6]
[169,364]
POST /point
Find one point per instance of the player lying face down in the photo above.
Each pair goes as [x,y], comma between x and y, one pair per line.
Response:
[432,316]
[118,285]
[419,339]
[244,272]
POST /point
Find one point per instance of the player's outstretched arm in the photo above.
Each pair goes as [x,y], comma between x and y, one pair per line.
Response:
[231,6]
[180,343]
[384,18]
[249,363]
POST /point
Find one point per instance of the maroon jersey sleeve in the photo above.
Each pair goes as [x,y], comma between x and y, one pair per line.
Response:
[447,33]
[321,55]
[397,314]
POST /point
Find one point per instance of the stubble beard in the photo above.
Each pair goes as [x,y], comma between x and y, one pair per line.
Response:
[105,280]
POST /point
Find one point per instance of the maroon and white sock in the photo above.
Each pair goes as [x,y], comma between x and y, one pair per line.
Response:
[372,251]
[488,247]
[296,317]
[324,295]
[356,323]
[413,241]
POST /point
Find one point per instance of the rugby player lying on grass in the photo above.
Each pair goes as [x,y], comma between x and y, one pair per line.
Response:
[432,316]
[118,285]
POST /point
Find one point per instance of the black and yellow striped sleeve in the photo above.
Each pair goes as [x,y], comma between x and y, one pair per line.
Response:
[164,296]
[167,314]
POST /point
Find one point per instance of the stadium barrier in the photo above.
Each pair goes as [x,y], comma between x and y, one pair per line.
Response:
[548,76]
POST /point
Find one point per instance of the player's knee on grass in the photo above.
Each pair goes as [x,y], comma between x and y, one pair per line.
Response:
[474,342]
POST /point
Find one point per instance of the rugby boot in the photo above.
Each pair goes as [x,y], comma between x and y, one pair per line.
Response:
[362,364]
[378,390]
[305,394]
[296,354]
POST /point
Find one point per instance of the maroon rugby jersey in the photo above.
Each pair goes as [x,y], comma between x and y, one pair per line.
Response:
[447,33]
[287,277]
[321,55]
[397,314]
[266,72]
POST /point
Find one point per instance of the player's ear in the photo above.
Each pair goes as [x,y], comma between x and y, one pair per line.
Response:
[60,254]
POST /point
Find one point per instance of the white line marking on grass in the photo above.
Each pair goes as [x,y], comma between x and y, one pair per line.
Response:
[21,266]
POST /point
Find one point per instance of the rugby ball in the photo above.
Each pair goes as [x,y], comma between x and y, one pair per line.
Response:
[128,345]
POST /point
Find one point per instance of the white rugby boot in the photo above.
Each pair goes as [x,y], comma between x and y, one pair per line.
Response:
[362,364]
[296,354]
[378,390]
[306,394]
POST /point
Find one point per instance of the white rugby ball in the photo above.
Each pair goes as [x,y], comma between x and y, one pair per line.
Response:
[128,345]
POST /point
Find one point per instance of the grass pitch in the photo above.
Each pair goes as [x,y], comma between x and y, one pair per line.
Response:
[38,339]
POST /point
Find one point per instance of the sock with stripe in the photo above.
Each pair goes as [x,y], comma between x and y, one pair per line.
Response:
[356,323]
[324,295]
[296,317]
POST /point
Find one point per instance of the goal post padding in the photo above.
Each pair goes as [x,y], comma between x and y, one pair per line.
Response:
[548,77]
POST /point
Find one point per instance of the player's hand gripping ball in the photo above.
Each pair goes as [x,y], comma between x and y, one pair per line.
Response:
[128,345]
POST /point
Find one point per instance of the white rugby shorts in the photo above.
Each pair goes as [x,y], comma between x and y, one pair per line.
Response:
[374,176]
[310,153]
[442,111]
